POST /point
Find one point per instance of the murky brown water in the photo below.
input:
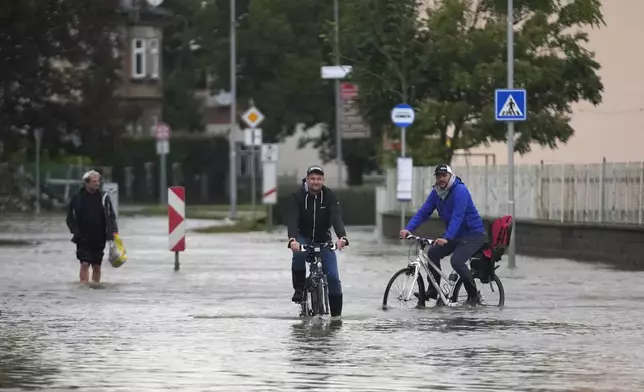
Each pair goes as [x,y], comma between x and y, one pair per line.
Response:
[225,322]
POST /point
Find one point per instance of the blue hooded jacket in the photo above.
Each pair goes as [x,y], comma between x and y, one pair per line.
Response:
[457,211]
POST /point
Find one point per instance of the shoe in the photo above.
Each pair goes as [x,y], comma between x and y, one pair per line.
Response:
[473,301]
[335,303]
[297,297]
[428,295]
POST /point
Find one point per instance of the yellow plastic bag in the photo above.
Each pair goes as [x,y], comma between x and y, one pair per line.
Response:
[117,255]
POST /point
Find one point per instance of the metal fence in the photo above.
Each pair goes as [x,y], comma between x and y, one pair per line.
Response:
[606,192]
[141,184]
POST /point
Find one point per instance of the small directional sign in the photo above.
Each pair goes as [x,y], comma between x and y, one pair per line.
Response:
[510,105]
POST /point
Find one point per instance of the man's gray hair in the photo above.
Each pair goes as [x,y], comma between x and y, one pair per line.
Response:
[91,173]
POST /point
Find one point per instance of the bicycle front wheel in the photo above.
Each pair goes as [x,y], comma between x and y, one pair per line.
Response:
[403,291]
[320,300]
[492,293]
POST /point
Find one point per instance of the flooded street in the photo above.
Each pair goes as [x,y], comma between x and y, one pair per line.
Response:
[225,321]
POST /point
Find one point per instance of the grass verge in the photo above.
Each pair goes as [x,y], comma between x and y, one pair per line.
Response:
[240,226]
[192,212]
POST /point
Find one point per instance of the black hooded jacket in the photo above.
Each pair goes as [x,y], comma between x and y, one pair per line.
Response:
[312,215]
[89,220]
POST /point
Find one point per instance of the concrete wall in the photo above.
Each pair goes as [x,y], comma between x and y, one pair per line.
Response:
[619,245]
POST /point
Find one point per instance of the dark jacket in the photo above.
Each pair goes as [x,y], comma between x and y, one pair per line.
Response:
[77,207]
[312,216]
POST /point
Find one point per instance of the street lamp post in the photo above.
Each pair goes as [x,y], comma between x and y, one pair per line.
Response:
[232,155]
[338,108]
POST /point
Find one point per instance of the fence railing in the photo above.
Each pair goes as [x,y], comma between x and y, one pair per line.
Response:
[141,184]
[607,192]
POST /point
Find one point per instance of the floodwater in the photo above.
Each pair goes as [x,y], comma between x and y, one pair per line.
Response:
[225,322]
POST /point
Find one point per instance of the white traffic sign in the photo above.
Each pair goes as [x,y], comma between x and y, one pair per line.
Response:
[162,131]
[269,179]
[402,115]
[405,177]
[269,152]
[253,117]
[335,71]
[252,137]
[163,147]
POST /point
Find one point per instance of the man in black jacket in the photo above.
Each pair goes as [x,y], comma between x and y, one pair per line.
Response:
[313,210]
[92,221]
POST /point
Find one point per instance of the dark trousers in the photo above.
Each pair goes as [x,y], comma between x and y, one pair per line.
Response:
[461,250]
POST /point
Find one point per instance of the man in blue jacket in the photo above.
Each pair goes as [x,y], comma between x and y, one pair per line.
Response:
[464,233]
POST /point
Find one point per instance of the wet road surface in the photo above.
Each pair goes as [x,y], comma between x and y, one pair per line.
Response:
[225,322]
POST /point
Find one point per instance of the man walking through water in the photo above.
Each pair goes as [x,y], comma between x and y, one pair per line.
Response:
[92,221]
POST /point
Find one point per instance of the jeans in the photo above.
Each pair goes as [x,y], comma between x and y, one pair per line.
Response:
[461,250]
[329,266]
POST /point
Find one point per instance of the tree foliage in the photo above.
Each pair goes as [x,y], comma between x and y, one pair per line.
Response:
[59,74]
[383,43]
[460,52]
[189,46]
[280,48]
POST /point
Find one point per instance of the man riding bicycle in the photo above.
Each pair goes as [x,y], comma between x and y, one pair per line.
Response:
[464,233]
[313,210]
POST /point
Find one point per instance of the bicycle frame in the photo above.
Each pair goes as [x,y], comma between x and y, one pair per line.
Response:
[422,260]
[316,276]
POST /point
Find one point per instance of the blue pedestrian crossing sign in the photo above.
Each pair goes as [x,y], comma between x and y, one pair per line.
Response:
[510,105]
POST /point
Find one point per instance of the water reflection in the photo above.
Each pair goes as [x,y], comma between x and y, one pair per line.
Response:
[314,341]
[21,358]
[225,322]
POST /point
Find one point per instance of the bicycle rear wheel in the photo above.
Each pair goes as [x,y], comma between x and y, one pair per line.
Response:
[404,297]
[492,293]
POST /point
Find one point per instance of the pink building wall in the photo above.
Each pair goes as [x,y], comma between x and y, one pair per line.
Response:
[615,128]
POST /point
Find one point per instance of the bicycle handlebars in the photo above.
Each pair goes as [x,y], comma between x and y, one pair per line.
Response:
[318,247]
[423,240]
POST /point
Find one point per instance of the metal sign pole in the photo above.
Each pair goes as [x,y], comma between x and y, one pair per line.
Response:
[38,135]
[403,145]
[253,190]
[510,32]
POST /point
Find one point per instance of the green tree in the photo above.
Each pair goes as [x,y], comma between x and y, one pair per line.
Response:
[59,72]
[383,42]
[279,52]
[461,55]
[189,44]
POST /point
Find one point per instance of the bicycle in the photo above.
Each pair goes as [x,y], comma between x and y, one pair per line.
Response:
[481,266]
[316,286]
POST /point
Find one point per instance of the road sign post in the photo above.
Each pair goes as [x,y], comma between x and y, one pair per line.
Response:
[38,136]
[162,133]
[269,181]
[177,221]
[253,117]
[337,72]
[402,115]
[511,105]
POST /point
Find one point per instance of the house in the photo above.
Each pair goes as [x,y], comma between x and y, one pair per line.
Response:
[141,88]
[613,129]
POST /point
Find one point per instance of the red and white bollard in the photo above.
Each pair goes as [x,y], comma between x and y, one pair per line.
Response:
[177,221]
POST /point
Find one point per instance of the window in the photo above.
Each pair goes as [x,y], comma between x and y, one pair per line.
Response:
[138,58]
[154,58]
